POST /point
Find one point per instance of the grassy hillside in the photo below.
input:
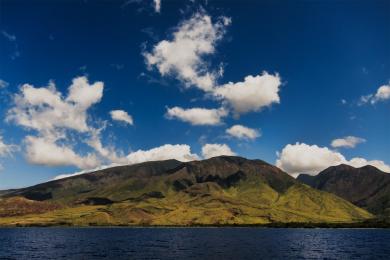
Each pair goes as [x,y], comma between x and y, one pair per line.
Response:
[218,191]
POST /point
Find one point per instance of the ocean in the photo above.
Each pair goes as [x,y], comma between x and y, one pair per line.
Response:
[193,243]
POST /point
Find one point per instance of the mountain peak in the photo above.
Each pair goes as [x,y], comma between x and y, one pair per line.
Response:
[366,187]
[227,158]
[369,167]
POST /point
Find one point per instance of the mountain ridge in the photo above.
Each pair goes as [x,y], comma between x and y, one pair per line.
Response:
[217,191]
[367,186]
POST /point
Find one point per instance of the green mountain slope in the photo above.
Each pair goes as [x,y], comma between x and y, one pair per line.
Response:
[366,187]
[220,190]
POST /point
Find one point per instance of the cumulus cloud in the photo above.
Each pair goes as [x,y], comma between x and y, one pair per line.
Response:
[243,132]
[213,150]
[120,115]
[45,110]
[3,83]
[382,94]
[347,142]
[360,162]
[252,94]
[43,151]
[302,158]
[183,55]
[83,94]
[311,159]
[157,5]
[181,152]
[197,116]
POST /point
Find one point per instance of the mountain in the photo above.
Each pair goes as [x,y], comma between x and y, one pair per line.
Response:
[366,187]
[3,192]
[216,191]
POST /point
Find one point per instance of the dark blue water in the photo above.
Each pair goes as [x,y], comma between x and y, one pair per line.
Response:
[193,243]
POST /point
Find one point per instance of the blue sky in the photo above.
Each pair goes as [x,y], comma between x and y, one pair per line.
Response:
[320,72]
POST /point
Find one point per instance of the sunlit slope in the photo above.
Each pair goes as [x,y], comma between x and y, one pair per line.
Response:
[220,190]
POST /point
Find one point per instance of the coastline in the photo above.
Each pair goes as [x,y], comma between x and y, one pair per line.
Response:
[292,225]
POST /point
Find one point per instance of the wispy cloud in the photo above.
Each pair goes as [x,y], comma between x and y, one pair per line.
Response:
[8,36]
[12,39]
[117,66]
[3,83]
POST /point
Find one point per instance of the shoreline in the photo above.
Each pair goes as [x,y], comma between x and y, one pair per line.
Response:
[294,225]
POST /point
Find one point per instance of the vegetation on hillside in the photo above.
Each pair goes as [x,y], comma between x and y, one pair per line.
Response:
[219,191]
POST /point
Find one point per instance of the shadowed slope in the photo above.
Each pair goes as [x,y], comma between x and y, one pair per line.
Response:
[366,187]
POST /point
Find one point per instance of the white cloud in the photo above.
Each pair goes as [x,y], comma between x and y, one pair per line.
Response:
[83,94]
[302,158]
[360,162]
[347,142]
[121,115]
[243,132]
[253,94]
[311,159]
[40,150]
[213,150]
[382,94]
[45,110]
[3,83]
[181,152]
[197,116]
[183,55]
[157,6]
